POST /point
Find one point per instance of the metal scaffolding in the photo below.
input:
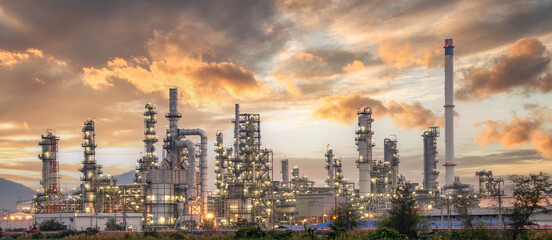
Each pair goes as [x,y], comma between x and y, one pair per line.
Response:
[391,157]
[90,169]
[365,144]
[49,200]
[248,183]
[431,174]
[149,159]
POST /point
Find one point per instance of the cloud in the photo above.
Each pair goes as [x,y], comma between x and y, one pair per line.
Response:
[516,133]
[401,54]
[10,58]
[523,69]
[289,84]
[343,108]
[177,60]
[413,115]
[355,65]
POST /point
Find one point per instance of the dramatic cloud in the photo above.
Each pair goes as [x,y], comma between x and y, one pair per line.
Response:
[524,68]
[355,65]
[277,58]
[342,109]
[401,54]
[289,84]
[8,59]
[518,132]
[409,116]
[177,59]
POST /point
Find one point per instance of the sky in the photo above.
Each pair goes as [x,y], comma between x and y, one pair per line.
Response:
[305,66]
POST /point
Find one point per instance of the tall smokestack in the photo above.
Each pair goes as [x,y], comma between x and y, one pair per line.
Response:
[173,115]
[449,114]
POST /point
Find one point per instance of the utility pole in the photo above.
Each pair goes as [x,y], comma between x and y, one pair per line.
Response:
[309,202]
[448,212]
[441,206]
[499,193]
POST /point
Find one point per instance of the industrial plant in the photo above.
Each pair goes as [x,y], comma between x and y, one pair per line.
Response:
[171,191]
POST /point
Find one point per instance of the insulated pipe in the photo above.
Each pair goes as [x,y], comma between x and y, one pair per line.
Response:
[237,133]
[203,162]
[191,164]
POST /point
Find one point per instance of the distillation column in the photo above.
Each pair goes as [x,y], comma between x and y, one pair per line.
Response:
[89,168]
[391,157]
[431,174]
[330,167]
[221,165]
[449,114]
[364,143]
[285,173]
[149,160]
[50,171]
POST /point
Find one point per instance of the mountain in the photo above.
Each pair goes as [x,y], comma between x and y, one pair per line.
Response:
[13,192]
[125,178]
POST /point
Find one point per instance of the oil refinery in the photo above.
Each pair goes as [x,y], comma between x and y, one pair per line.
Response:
[171,191]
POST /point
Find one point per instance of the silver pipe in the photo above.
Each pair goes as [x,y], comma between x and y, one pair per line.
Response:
[191,164]
[203,162]
[237,133]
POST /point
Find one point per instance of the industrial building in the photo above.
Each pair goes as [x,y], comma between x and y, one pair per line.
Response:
[171,192]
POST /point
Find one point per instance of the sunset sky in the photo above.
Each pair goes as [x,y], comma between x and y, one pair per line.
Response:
[304,65]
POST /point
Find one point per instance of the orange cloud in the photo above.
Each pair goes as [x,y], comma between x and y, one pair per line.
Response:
[403,54]
[309,57]
[289,84]
[523,68]
[355,65]
[173,65]
[8,59]
[343,108]
[516,133]
[413,115]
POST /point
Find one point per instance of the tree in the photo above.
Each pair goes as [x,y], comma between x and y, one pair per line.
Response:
[347,216]
[403,215]
[112,225]
[386,234]
[208,225]
[462,202]
[51,224]
[530,194]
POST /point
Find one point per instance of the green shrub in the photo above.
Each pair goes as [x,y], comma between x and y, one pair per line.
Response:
[36,235]
[90,231]
[112,225]
[278,235]
[51,224]
[387,234]
[151,233]
[250,232]
[335,231]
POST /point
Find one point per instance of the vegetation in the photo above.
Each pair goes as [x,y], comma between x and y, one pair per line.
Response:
[387,234]
[51,224]
[403,215]
[208,225]
[335,231]
[462,202]
[531,194]
[381,233]
[347,216]
[112,225]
